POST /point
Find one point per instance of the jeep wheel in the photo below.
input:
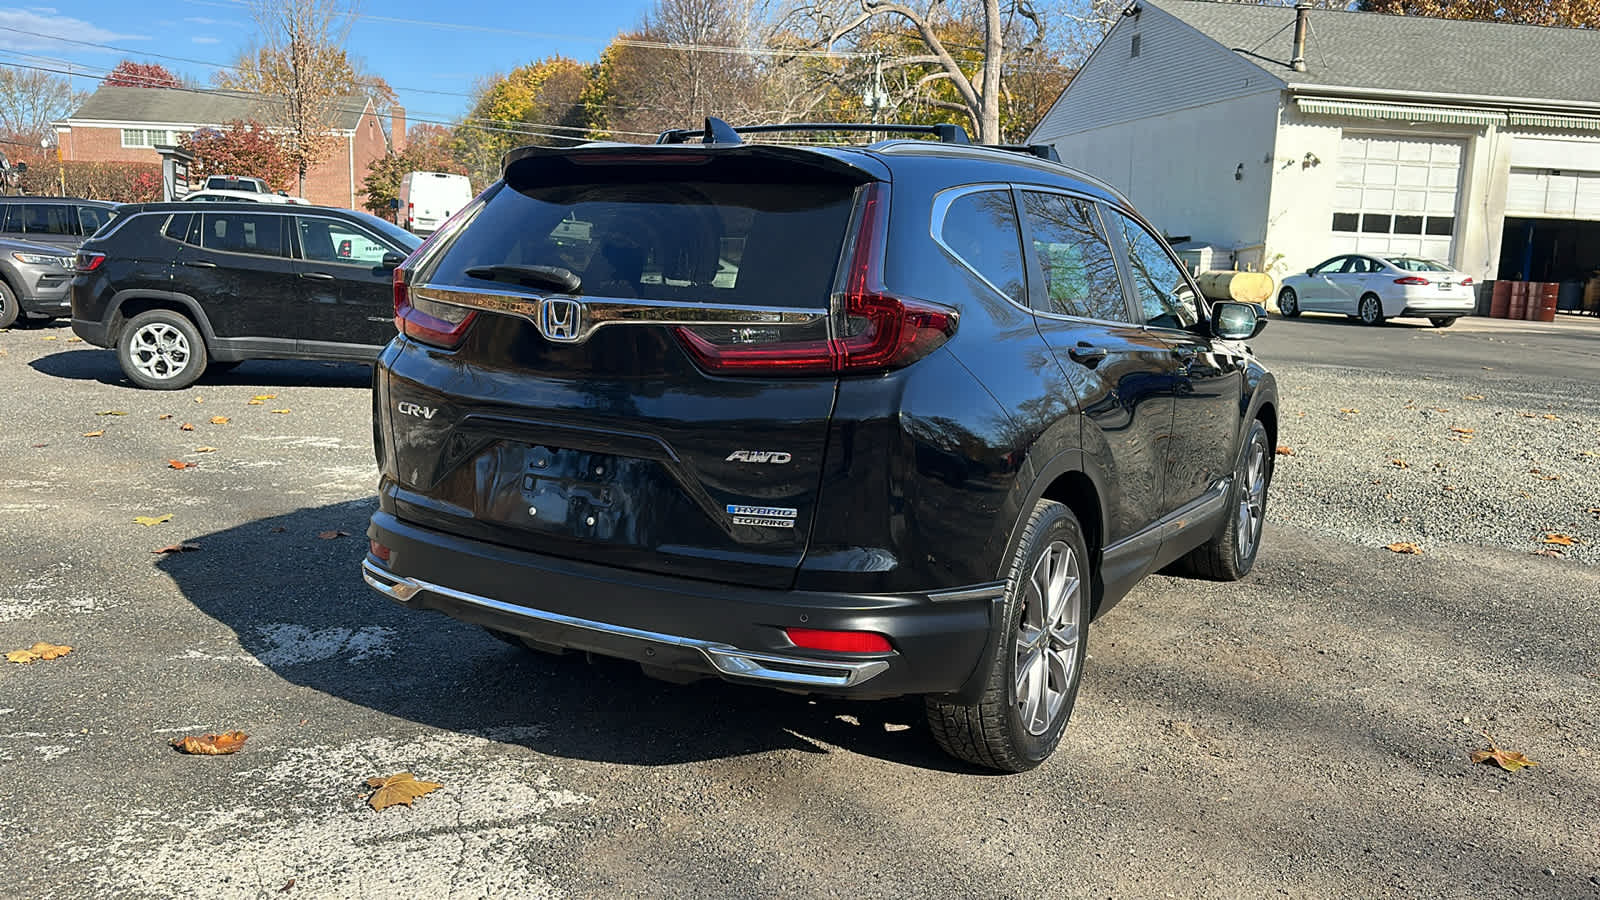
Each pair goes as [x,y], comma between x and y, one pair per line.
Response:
[162,350]
[9,309]
[1231,554]
[1037,663]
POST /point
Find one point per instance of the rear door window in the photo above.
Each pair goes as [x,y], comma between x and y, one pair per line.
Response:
[333,241]
[757,244]
[980,228]
[1075,258]
[48,218]
[253,233]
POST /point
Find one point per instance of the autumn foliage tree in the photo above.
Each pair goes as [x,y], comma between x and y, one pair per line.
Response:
[1569,13]
[240,148]
[137,74]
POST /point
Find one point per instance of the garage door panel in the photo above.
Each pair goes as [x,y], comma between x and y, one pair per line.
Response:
[1391,187]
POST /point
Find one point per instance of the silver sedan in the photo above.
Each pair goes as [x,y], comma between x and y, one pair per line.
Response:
[1376,288]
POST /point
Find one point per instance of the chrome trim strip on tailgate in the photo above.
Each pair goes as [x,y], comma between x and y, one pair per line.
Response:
[724,658]
[592,313]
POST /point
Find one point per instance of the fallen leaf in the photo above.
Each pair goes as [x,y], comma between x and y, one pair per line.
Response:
[187,426]
[175,548]
[1557,539]
[1526,415]
[205,449]
[1459,430]
[219,420]
[49,337]
[1510,760]
[278,530]
[265,397]
[163,417]
[252,403]
[94,433]
[199,399]
[1551,416]
[281,412]
[286,886]
[1546,551]
[401,788]
[1285,450]
[1473,397]
[180,464]
[1404,547]
[38,651]
[330,535]
[212,744]
[1349,410]
[112,412]
[1399,464]
[74,340]
[1439,409]
[147,521]
[37,446]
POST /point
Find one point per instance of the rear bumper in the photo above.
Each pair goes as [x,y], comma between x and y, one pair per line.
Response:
[92,331]
[685,625]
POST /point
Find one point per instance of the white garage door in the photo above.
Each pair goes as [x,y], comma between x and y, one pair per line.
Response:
[1397,196]
[1557,193]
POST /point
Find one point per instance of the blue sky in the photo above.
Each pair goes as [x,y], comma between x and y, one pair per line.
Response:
[416,58]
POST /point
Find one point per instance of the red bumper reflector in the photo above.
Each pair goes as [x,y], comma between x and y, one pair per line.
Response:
[839,641]
[379,550]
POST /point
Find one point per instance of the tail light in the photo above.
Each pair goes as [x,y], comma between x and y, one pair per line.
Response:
[428,321]
[1466,282]
[839,641]
[1411,279]
[880,331]
[88,261]
[411,213]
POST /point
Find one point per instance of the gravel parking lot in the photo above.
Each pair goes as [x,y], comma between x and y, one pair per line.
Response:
[1302,733]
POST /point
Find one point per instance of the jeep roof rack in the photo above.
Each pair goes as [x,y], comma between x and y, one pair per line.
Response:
[717,131]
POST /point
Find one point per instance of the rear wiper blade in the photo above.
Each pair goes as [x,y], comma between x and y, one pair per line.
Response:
[549,277]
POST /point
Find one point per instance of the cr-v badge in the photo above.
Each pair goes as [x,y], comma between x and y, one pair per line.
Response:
[775,457]
[407,408]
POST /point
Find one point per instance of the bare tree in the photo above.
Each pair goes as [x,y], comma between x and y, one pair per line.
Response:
[30,100]
[303,72]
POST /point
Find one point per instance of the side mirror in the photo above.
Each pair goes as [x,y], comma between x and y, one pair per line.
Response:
[395,203]
[1237,321]
[1311,271]
[391,261]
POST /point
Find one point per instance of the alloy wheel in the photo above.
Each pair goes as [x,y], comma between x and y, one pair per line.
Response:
[160,351]
[1371,310]
[1289,303]
[1047,637]
[1252,499]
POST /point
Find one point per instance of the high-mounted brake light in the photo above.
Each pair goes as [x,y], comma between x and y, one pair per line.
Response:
[439,324]
[882,331]
[88,261]
[839,641]
[1411,279]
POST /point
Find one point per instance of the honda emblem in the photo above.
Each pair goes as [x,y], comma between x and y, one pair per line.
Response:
[561,320]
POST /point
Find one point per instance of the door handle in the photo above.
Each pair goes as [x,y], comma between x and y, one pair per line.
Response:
[1087,354]
[317,276]
[200,264]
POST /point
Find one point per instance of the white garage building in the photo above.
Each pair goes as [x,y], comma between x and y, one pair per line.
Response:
[1469,142]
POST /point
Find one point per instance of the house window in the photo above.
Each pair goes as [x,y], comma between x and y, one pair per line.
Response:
[1137,41]
[147,137]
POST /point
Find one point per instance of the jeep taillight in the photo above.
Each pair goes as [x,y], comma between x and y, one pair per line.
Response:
[879,331]
[88,261]
[428,321]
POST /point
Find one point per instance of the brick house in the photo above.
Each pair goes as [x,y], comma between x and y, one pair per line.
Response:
[124,124]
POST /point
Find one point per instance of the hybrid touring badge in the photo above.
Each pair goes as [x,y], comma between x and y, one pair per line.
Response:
[765,516]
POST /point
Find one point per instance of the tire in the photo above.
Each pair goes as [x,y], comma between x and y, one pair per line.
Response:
[1004,729]
[1370,310]
[1442,321]
[9,308]
[1288,303]
[1231,552]
[161,350]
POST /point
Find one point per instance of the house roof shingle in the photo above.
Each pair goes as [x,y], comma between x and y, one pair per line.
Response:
[1380,52]
[170,106]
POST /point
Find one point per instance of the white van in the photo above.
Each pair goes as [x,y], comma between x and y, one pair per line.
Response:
[428,198]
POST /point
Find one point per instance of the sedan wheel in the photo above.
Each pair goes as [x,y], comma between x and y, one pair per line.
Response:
[1371,310]
[1288,303]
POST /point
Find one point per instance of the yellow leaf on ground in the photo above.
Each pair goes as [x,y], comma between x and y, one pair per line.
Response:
[252,403]
[212,744]
[147,521]
[180,464]
[398,789]
[1551,416]
[94,433]
[1349,410]
[281,412]
[1473,397]
[1510,760]
[219,420]
[1459,430]
[205,449]
[38,651]
[1399,464]
[49,337]
[112,412]
[1557,539]
[1285,450]
[163,417]
[1404,547]
[265,397]
[1549,551]
[187,426]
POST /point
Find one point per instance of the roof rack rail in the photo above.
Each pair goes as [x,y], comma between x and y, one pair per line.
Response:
[717,131]
[1043,151]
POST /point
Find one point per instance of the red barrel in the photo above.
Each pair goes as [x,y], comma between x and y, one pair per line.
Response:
[1517,308]
[1549,298]
[1500,300]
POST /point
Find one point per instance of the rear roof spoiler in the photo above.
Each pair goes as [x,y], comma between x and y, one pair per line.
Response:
[529,167]
[717,131]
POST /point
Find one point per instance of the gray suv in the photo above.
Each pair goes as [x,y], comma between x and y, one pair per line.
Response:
[62,221]
[34,281]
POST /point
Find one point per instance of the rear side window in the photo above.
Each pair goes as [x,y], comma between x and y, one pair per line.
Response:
[751,243]
[253,233]
[1075,258]
[980,228]
[1163,290]
[177,227]
[45,218]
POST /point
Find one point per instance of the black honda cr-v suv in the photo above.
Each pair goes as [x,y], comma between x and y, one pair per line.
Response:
[897,419]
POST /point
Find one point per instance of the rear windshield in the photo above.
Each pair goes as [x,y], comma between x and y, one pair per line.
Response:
[1412,264]
[751,244]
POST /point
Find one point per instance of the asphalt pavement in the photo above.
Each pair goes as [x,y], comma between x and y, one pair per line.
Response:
[1303,733]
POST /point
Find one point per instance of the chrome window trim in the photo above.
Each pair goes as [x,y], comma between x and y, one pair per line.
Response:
[599,312]
[941,208]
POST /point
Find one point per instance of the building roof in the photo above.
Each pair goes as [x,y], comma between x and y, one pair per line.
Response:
[178,106]
[1378,52]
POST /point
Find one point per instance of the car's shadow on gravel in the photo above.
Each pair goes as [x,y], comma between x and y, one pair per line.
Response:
[430,669]
[95,364]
